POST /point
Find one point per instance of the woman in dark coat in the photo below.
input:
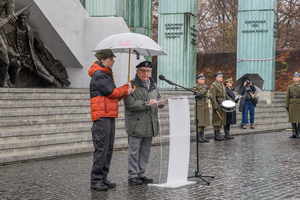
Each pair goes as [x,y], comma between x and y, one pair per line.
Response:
[245,90]
[230,116]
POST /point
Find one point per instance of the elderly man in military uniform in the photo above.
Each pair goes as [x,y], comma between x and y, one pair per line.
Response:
[202,110]
[218,95]
[292,104]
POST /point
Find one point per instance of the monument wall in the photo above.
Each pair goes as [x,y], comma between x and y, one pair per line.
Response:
[71,35]
[177,35]
[256,42]
[287,63]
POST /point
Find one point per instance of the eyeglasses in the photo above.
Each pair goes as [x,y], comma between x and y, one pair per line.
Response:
[145,71]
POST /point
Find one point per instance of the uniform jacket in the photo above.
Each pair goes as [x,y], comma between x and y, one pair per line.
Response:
[218,95]
[103,92]
[141,119]
[230,116]
[202,106]
[292,102]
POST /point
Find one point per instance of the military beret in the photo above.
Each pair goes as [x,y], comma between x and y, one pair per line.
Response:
[218,74]
[104,53]
[200,76]
[297,74]
[144,64]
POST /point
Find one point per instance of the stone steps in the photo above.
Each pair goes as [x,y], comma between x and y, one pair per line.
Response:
[41,123]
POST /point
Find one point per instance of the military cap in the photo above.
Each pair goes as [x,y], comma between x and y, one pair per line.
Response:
[104,53]
[200,76]
[229,80]
[218,74]
[144,64]
[297,74]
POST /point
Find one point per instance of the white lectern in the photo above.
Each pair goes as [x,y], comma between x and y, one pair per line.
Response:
[179,150]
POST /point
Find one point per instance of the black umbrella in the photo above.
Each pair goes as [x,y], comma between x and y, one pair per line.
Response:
[256,80]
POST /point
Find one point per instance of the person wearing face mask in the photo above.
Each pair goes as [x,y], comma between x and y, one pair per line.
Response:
[292,105]
[104,109]
[141,122]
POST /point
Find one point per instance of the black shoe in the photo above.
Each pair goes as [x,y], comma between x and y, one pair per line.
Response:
[135,181]
[99,186]
[145,179]
[109,184]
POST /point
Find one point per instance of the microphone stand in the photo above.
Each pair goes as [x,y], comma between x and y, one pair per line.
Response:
[197,96]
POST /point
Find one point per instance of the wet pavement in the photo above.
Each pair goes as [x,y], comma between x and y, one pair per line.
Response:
[254,166]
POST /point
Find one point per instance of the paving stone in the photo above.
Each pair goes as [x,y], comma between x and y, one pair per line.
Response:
[255,166]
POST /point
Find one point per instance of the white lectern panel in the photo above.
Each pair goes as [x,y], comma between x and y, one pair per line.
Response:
[179,150]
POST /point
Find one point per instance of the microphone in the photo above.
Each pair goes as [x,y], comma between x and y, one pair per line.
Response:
[162,77]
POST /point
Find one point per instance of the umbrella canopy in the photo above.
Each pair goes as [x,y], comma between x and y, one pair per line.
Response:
[131,43]
[256,80]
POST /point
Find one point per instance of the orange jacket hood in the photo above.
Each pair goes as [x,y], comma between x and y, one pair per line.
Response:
[96,67]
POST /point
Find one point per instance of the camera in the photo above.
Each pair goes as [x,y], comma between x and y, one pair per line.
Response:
[248,82]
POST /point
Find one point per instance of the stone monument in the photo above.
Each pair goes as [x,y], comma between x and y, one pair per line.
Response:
[256,43]
[27,62]
[177,35]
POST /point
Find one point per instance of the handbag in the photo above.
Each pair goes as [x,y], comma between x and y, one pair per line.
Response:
[254,98]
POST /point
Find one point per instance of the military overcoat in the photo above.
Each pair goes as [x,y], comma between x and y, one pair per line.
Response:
[292,102]
[218,95]
[202,107]
[141,119]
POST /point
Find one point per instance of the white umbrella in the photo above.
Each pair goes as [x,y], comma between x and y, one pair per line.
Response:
[125,42]
[130,43]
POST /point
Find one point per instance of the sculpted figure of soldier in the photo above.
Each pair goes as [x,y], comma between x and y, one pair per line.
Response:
[32,65]
[6,10]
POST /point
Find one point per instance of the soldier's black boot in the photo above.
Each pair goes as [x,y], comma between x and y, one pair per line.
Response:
[221,135]
[202,136]
[294,127]
[227,135]
[218,136]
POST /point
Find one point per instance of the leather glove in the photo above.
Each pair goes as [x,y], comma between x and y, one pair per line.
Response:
[287,109]
[237,100]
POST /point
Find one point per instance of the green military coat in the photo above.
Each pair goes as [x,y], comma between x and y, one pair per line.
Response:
[141,119]
[218,95]
[202,107]
[292,102]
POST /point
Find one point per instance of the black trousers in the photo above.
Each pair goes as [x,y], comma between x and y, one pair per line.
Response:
[103,133]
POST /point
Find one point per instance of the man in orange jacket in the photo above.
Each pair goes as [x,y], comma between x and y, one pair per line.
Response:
[104,109]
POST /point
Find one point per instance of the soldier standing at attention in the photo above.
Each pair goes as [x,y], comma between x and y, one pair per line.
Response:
[218,95]
[203,114]
[292,104]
